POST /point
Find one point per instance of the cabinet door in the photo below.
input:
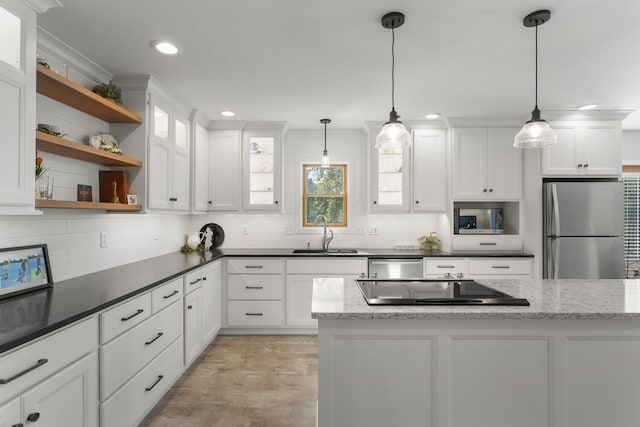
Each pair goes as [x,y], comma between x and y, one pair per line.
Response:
[180,165]
[262,152]
[390,172]
[17,108]
[563,157]
[211,301]
[159,163]
[10,413]
[192,325]
[200,184]
[225,170]
[69,398]
[470,164]
[298,303]
[504,167]
[601,148]
[429,171]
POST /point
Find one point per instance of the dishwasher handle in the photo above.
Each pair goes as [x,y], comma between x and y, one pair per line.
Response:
[397,262]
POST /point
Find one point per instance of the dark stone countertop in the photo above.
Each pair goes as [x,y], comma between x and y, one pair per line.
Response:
[31,315]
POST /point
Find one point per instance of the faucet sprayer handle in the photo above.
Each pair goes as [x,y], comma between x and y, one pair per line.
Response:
[330,238]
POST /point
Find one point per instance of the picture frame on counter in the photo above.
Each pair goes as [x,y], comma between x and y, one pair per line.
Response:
[24,269]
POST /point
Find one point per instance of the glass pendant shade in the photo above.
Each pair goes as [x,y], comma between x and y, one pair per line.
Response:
[393,134]
[325,159]
[535,134]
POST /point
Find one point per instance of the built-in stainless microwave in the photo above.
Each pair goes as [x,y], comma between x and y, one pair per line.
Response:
[478,221]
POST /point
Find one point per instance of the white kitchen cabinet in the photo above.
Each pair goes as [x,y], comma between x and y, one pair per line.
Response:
[299,284]
[10,415]
[390,179]
[18,106]
[192,325]
[200,183]
[262,167]
[478,268]
[485,164]
[211,301]
[168,161]
[225,165]
[69,398]
[447,268]
[584,149]
[429,170]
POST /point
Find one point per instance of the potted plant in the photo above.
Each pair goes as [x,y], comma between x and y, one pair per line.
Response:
[109,91]
[429,241]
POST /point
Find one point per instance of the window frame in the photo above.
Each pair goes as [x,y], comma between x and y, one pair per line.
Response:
[343,195]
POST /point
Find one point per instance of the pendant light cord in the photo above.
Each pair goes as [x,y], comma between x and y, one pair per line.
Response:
[393,69]
[325,137]
[536,64]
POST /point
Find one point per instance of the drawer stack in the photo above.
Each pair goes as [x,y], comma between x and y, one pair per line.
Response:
[141,353]
[255,291]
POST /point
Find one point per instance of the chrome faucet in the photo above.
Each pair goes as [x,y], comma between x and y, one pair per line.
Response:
[325,241]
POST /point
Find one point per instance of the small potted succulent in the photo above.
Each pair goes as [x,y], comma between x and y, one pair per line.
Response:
[429,241]
[109,91]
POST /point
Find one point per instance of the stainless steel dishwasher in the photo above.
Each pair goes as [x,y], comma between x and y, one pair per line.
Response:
[395,268]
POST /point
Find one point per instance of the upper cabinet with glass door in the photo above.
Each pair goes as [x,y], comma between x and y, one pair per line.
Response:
[390,177]
[262,160]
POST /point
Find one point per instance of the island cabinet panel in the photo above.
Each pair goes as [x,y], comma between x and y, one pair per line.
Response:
[499,366]
[611,363]
[10,413]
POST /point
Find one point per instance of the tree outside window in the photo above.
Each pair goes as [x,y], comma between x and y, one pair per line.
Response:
[324,193]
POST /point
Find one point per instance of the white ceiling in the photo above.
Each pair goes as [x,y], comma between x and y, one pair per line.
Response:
[302,60]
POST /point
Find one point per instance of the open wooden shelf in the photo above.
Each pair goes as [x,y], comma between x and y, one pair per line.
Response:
[55,86]
[76,150]
[64,204]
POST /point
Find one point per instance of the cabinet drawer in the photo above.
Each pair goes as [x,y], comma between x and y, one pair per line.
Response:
[441,266]
[331,266]
[499,266]
[254,313]
[32,363]
[192,281]
[504,242]
[166,294]
[255,287]
[254,266]
[125,355]
[119,319]
[127,406]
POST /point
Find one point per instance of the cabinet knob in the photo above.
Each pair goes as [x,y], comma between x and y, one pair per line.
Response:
[189,307]
[586,165]
[417,202]
[491,190]
[276,202]
[579,165]
[484,190]
[210,202]
[375,202]
[33,417]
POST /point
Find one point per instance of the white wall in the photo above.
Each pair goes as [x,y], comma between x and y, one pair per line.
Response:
[631,147]
[305,146]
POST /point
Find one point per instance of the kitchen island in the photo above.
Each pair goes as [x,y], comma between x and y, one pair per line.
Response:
[569,359]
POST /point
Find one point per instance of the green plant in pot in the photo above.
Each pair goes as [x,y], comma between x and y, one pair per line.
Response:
[429,241]
[109,91]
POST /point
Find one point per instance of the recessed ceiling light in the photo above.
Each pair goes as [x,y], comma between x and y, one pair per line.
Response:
[228,113]
[432,116]
[587,107]
[165,47]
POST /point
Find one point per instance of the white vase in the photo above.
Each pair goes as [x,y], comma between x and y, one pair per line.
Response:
[193,239]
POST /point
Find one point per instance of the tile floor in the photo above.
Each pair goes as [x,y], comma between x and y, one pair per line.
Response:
[245,381]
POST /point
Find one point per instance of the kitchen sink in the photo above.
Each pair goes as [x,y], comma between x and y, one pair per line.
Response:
[328,252]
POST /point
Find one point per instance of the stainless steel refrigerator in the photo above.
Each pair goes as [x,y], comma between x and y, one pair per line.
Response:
[583,230]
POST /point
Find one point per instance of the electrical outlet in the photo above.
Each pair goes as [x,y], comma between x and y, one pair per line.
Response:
[373,230]
[245,230]
[360,230]
[103,239]
[288,230]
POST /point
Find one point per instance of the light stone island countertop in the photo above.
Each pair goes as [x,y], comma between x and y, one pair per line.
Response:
[336,298]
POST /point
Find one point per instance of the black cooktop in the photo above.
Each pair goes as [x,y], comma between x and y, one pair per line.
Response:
[433,292]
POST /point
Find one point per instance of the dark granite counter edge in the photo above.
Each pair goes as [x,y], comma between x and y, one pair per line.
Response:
[102,293]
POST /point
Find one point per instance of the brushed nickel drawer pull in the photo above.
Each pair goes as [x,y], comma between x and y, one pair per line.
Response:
[153,340]
[253,314]
[500,266]
[446,266]
[252,266]
[171,294]
[124,319]
[488,244]
[253,287]
[160,377]
[39,363]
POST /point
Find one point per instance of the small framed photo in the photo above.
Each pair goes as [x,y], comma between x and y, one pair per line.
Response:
[24,269]
[85,193]
[132,199]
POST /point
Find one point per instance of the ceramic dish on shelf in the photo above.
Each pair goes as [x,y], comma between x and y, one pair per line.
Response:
[213,233]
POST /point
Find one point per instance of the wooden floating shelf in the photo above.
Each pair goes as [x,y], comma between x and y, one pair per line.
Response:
[76,150]
[64,204]
[55,86]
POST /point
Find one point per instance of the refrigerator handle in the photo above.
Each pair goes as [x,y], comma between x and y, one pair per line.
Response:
[556,210]
[556,258]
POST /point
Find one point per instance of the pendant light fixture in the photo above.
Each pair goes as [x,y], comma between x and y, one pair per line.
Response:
[393,132]
[325,154]
[536,132]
